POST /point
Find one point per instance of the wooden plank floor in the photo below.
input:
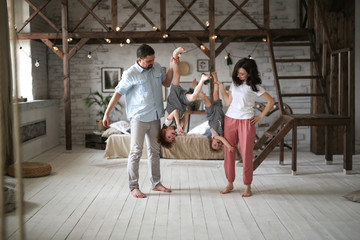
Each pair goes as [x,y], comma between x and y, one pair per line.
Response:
[87,197]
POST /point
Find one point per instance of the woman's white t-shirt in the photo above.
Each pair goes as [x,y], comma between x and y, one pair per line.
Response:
[243,100]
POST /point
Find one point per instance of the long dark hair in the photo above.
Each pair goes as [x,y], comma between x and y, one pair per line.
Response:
[251,68]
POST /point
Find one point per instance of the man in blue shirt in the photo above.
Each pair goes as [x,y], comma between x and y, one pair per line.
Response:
[142,86]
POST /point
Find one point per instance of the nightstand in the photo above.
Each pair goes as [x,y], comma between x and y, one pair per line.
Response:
[96,141]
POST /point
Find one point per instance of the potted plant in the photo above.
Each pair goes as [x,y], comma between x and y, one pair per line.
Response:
[102,102]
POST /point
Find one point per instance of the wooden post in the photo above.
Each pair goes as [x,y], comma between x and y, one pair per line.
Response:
[212,42]
[66,71]
[113,14]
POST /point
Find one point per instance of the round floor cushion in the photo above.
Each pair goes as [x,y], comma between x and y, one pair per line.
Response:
[31,169]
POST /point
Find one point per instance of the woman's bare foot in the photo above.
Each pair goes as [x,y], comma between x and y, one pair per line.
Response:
[228,188]
[136,193]
[247,192]
[161,188]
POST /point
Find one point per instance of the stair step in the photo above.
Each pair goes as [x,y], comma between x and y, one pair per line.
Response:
[299,77]
[291,44]
[270,134]
[302,94]
[295,60]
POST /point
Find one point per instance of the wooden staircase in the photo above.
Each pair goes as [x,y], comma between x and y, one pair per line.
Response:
[289,121]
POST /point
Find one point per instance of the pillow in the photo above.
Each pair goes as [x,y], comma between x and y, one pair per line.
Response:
[200,129]
[353,196]
[122,126]
[110,131]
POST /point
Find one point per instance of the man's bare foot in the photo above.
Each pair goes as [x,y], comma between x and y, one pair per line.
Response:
[228,188]
[247,192]
[178,51]
[161,188]
[136,193]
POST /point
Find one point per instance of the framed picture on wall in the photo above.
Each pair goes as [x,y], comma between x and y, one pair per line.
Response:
[110,77]
[203,65]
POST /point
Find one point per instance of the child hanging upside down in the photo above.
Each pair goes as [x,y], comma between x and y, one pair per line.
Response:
[177,102]
[215,116]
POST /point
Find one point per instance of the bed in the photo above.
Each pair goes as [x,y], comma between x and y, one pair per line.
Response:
[188,146]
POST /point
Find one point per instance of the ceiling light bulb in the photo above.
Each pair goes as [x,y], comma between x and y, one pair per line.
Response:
[165,35]
[89,55]
[69,39]
[37,63]
[117,29]
[202,47]
[155,27]
[128,41]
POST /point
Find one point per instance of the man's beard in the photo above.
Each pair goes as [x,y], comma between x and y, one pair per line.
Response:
[150,66]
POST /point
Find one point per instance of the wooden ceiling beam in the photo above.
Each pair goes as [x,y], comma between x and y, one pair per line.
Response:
[180,16]
[94,15]
[85,15]
[57,51]
[192,14]
[37,11]
[142,13]
[245,13]
[114,14]
[230,16]
[133,15]
[43,16]
[77,47]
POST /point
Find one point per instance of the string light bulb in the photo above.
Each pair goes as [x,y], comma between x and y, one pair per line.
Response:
[37,63]
[213,37]
[89,55]
[69,39]
[121,44]
[207,24]
[165,35]
[264,39]
[55,48]
[128,41]
[155,28]
[117,29]
[108,40]
[202,47]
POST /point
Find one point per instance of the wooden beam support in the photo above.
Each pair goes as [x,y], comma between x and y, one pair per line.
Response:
[212,38]
[51,46]
[142,14]
[230,16]
[66,71]
[163,16]
[223,45]
[33,15]
[192,14]
[77,47]
[198,43]
[94,15]
[266,14]
[133,15]
[114,14]
[43,16]
[85,15]
[180,16]
[245,13]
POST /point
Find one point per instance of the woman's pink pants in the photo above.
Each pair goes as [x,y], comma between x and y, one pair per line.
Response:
[242,131]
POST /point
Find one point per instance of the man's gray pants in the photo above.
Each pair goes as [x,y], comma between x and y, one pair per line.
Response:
[139,131]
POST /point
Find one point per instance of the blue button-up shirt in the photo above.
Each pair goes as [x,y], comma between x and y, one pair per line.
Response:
[142,89]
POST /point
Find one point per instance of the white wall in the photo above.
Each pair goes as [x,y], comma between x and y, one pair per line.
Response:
[31,112]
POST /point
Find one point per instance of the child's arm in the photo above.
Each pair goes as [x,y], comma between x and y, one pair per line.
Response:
[175,114]
[225,142]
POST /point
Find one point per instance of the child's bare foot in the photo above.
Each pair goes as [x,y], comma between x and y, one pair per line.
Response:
[178,51]
[247,192]
[161,188]
[194,83]
[204,78]
[136,193]
[228,188]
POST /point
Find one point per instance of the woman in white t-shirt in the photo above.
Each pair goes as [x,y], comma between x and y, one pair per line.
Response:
[240,119]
